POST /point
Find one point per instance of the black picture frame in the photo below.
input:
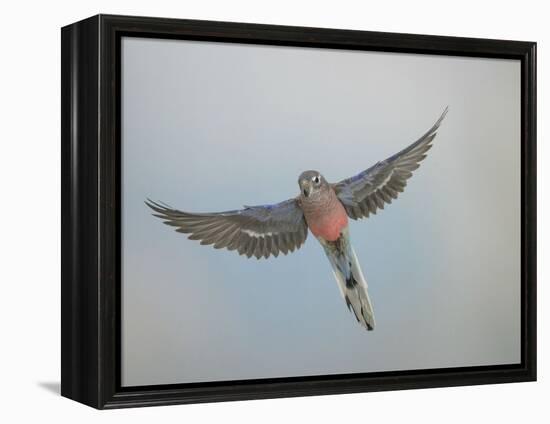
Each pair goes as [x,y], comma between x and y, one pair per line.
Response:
[91,195]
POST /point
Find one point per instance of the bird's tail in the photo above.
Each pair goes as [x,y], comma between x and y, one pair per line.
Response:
[351,282]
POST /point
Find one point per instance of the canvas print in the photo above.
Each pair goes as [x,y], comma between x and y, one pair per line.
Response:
[408,191]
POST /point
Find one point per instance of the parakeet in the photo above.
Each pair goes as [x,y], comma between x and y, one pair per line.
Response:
[322,207]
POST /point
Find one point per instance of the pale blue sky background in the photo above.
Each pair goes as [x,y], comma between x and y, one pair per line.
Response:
[210,127]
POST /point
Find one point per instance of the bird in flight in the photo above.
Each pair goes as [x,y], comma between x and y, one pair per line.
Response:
[321,207]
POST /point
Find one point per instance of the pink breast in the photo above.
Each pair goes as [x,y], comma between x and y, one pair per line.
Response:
[330,223]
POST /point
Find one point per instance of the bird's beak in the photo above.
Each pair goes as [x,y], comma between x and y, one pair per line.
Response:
[306,188]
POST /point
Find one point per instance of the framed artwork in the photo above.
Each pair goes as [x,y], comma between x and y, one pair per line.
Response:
[346,211]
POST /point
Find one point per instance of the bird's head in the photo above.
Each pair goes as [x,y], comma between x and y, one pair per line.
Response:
[311,183]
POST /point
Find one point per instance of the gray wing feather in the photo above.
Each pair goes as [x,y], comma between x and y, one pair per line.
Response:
[369,190]
[258,231]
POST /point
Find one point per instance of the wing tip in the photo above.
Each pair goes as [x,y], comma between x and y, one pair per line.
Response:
[440,120]
[154,205]
[160,208]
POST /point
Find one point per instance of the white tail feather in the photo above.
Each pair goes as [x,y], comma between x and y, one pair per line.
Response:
[350,278]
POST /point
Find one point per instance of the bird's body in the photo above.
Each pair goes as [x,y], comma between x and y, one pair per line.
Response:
[324,214]
[321,207]
[327,220]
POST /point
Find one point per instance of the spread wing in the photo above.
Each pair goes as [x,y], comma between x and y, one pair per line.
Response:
[367,191]
[255,230]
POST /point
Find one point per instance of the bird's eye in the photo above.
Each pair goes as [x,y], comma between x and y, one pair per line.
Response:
[316,179]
